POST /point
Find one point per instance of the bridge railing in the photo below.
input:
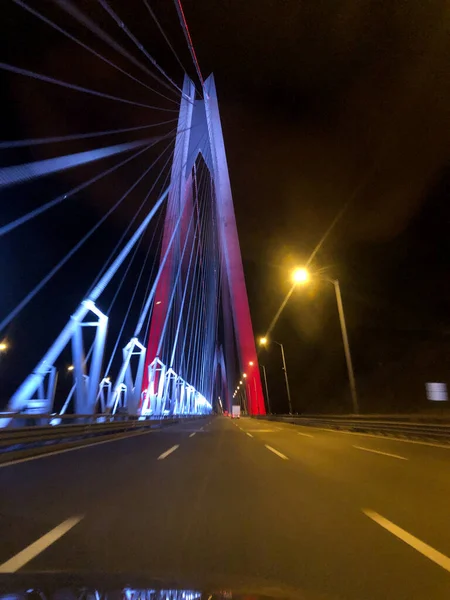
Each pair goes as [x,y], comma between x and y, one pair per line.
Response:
[41,433]
[421,427]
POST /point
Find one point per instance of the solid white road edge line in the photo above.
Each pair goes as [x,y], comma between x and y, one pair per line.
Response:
[99,443]
[276,452]
[304,434]
[434,555]
[22,558]
[167,452]
[379,452]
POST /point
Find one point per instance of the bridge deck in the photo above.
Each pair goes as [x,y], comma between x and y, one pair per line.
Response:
[224,509]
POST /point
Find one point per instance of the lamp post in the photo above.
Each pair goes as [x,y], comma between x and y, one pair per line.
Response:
[244,399]
[263,341]
[267,388]
[348,356]
[302,276]
[288,391]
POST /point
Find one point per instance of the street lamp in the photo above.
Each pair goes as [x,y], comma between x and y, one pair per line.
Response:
[3,346]
[300,275]
[70,368]
[286,378]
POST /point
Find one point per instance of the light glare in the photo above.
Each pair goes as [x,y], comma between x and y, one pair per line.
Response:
[300,275]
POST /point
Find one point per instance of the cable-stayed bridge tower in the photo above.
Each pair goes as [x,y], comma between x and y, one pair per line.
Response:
[191,338]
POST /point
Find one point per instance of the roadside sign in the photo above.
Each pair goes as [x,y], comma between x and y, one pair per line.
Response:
[437,392]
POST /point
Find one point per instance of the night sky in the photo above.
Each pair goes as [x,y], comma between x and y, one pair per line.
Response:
[324,105]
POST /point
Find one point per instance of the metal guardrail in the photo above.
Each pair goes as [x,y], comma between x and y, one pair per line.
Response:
[395,426]
[51,430]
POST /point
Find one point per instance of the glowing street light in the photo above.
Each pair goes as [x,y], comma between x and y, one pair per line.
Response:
[244,375]
[70,368]
[3,347]
[240,383]
[300,275]
[263,341]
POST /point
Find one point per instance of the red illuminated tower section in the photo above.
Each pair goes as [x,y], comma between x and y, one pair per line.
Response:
[180,199]
[200,131]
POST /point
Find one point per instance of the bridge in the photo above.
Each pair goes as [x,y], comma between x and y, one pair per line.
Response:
[158,347]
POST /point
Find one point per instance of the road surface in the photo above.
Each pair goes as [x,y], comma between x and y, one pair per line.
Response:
[239,503]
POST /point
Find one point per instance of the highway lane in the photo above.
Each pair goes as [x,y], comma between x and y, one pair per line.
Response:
[407,482]
[223,508]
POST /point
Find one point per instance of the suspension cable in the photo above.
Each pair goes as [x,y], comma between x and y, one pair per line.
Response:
[199,295]
[163,33]
[175,284]
[41,209]
[144,264]
[195,293]
[86,47]
[76,136]
[77,14]
[137,43]
[78,88]
[187,35]
[68,256]
[136,214]
[149,300]
[40,168]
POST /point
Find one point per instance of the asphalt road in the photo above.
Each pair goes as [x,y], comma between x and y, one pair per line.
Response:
[240,504]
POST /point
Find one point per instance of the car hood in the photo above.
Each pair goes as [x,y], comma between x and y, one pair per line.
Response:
[74,586]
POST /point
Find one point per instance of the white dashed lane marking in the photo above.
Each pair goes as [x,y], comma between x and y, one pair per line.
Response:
[167,452]
[428,551]
[379,452]
[22,558]
[276,452]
